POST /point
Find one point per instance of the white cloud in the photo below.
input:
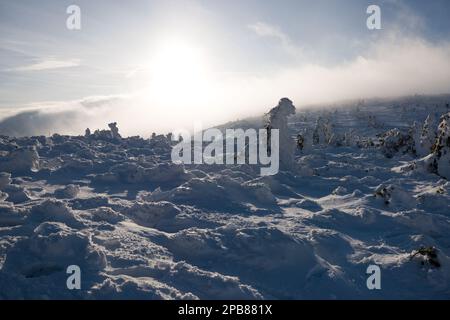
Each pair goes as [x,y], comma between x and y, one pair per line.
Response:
[49,64]
[263,29]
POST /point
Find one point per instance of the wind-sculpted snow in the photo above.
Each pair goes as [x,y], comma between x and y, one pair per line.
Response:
[367,188]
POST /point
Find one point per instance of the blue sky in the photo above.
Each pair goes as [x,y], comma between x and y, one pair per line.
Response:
[243,53]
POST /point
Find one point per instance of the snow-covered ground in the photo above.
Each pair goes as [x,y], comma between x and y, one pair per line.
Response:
[142,227]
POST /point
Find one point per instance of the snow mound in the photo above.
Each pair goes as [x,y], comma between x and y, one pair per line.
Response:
[5,179]
[160,215]
[10,216]
[16,193]
[53,210]
[393,195]
[68,192]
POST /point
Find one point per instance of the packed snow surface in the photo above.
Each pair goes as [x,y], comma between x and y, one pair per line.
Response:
[369,188]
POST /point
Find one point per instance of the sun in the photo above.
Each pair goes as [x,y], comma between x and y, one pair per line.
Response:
[179,72]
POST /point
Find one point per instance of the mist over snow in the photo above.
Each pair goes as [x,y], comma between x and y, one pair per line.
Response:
[393,66]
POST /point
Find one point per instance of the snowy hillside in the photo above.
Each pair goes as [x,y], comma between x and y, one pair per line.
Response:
[371,188]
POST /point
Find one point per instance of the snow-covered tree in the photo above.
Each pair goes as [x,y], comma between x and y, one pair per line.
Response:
[277,119]
[323,131]
[415,133]
[427,137]
[441,150]
[114,130]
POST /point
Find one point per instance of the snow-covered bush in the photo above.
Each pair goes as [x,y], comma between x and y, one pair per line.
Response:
[394,141]
[305,139]
[373,122]
[394,195]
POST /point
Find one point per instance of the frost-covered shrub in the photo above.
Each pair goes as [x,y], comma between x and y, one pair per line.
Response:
[351,138]
[305,139]
[393,195]
[394,141]
[373,122]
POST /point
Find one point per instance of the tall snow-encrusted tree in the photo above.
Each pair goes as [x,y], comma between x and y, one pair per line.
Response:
[415,133]
[441,149]
[277,119]
[323,132]
[427,137]
[114,130]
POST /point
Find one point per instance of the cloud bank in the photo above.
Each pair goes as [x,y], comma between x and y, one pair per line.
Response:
[48,64]
[393,66]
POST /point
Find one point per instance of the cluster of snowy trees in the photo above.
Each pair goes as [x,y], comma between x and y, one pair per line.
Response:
[430,142]
[430,139]
[325,133]
[418,140]
[111,134]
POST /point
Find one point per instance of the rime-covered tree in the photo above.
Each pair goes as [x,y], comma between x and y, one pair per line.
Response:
[427,137]
[441,149]
[278,119]
[323,131]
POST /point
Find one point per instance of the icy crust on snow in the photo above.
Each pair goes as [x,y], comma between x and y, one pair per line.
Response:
[140,227]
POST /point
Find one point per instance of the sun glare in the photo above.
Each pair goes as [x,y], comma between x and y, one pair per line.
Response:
[179,71]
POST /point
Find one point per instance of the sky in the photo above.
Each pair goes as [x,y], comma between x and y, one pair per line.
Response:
[162,65]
